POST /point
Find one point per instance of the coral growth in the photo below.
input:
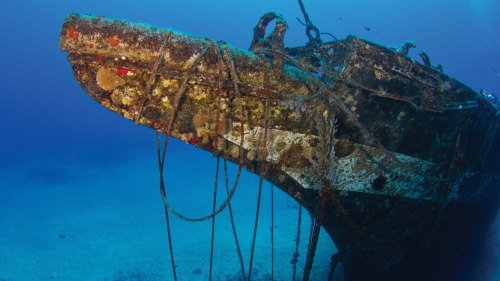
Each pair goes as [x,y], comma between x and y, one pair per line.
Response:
[323,161]
[72,34]
[108,79]
[114,41]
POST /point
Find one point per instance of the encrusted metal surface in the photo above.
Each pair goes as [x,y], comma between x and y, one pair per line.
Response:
[425,154]
[112,60]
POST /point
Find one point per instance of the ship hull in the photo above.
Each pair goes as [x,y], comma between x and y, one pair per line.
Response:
[406,157]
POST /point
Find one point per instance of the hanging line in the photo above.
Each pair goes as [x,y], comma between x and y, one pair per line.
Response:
[147,94]
[234,79]
[261,179]
[262,166]
[213,219]
[215,145]
[232,224]
[310,26]
[333,266]
[311,229]
[314,240]
[295,258]
[272,232]
[162,190]
[176,102]
[161,156]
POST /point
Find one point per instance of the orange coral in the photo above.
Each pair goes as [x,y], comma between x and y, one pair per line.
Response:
[113,41]
[108,79]
[72,34]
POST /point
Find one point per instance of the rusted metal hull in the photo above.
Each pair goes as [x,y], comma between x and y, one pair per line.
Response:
[395,206]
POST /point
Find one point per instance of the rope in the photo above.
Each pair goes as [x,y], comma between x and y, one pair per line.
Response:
[215,144]
[262,166]
[234,79]
[322,33]
[311,231]
[297,241]
[161,158]
[162,190]
[313,224]
[333,265]
[213,219]
[272,231]
[152,77]
[219,88]
[233,226]
[314,241]
[310,26]
[176,102]
[255,228]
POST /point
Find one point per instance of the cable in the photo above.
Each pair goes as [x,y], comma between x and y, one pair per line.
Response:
[272,231]
[233,226]
[297,241]
[162,190]
[262,166]
[213,220]
[314,241]
[176,102]
[152,77]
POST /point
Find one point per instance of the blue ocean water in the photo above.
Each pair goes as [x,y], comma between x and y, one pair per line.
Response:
[79,185]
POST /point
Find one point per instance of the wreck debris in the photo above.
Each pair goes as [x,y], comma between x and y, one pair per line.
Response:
[406,47]
[427,61]
[393,157]
[425,58]
[310,27]
[273,40]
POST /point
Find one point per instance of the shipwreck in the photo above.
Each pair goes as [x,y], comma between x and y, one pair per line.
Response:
[396,160]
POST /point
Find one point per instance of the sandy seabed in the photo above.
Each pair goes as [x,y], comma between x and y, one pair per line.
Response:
[84,219]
